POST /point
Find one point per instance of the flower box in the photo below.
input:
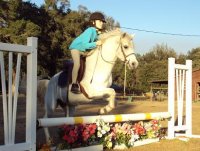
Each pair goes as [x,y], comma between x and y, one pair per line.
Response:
[138,143]
[88,148]
[146,141]
[129,134]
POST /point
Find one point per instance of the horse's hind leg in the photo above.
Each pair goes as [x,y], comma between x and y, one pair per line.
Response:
[69,110]
[48,114]
[46,131]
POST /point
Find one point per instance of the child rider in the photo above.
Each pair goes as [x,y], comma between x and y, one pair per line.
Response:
[86,41]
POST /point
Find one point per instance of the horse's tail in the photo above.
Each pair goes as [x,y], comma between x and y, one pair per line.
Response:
[57,91]
[41,90]
[50,96]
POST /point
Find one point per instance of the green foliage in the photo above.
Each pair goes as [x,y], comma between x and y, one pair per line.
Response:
[153,66]
[194,55]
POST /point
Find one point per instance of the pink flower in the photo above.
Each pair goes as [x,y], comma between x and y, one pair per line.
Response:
[154,121]
[126,128]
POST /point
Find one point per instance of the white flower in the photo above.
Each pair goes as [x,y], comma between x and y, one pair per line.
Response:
[103,131]
[99,134]
[133,139]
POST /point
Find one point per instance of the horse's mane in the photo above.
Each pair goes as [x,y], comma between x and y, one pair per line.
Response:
[115,32]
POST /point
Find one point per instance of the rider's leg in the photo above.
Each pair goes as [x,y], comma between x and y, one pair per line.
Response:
[76,58]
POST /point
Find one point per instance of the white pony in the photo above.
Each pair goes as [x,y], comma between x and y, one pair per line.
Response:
[96,79]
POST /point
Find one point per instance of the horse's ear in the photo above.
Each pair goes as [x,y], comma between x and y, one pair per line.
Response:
[132,35]
[117,29]
[123,35]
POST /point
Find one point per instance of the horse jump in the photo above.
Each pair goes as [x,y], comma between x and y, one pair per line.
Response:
[97,77]
[180,90]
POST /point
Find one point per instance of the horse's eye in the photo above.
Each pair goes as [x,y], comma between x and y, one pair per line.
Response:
[125,47]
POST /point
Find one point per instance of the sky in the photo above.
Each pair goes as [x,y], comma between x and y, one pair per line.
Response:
[175,23]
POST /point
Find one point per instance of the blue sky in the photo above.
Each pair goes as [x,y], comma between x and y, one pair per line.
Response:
[166,16]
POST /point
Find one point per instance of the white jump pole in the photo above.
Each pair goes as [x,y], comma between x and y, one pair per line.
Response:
[47,122]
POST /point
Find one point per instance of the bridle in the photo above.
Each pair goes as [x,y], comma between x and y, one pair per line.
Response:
[113,62]
[122,50]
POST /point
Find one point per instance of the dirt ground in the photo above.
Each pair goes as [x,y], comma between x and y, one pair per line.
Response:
[124,107]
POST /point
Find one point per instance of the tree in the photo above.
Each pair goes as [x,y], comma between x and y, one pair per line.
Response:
[54,24]
[153,66]
[194,55]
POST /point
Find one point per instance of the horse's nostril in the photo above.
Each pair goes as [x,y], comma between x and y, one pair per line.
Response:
[134,64]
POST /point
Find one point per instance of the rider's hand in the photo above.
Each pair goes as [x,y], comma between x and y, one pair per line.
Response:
[99,43]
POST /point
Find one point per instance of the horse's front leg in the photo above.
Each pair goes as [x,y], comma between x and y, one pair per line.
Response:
[111,101]
[107,94]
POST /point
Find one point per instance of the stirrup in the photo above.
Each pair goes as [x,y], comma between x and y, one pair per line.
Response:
[75,88]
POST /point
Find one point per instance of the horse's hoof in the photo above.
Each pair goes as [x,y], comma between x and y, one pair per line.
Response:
[102,111]
[105,110]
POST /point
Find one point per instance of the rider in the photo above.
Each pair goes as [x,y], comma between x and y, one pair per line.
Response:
[86,41]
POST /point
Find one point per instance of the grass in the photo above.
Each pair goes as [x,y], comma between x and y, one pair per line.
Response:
[168,145]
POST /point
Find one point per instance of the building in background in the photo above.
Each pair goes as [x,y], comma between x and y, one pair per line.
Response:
[196,85]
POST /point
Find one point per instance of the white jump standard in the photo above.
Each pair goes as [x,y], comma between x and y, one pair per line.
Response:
[180,89]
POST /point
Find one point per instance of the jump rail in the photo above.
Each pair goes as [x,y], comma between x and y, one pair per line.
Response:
[107,118]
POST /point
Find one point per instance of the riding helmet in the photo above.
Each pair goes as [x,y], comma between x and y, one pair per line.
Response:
[97,16]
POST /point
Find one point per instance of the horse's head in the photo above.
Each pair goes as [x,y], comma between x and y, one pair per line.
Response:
[126,50]
[121,44]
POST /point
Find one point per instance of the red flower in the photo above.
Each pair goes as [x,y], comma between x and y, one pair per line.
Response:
[68,139]
[92,128]
[139,129]
[85,135]
[72,133]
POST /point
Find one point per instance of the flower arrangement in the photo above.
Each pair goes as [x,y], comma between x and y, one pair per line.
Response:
[77,135]
[108,134]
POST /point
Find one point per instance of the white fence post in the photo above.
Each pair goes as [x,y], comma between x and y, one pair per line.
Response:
[31,93]
[189,98]
[171,96]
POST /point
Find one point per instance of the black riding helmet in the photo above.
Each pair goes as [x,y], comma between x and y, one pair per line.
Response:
[97,16]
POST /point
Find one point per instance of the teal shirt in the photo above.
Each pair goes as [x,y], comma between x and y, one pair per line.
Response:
[86,40]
